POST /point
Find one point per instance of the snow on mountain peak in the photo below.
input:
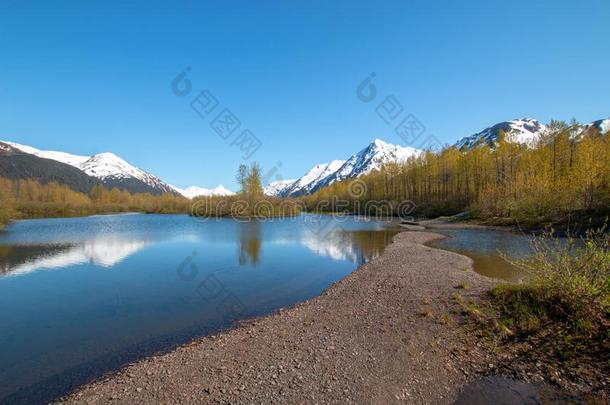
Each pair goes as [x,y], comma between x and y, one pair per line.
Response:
[108,164]
[379,143]
[23,148]
[377,154]
[63,157]
[194,191]
[222,190]
[104,166]
[108,156]
[523,130]
[602,126]
[373,157]
[275,188]
[312,178]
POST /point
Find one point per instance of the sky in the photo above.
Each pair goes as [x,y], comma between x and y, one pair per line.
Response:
[99,76]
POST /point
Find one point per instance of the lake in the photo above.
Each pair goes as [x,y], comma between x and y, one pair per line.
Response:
[82,296]
[488,248]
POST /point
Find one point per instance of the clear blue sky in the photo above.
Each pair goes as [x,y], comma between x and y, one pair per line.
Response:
[94,76]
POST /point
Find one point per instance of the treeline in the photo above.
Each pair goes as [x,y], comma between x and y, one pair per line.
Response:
[23,199]
[20,199]
[249,202]
[563,175]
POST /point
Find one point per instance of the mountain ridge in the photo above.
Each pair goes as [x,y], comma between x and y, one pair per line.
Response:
[18,165]
[372,157]
[195,191]
[525,131]
[84,172]
[107,167]
[113,171]
[521,130]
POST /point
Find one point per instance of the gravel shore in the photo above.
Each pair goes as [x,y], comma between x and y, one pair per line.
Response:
[387,333]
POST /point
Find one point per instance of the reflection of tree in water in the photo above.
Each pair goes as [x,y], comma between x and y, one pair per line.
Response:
[358,246]
[250,242]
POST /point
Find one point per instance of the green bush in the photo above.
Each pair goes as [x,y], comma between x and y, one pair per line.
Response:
[564,304]
[573,274]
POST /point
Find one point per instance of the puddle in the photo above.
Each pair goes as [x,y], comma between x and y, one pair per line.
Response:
[496,390]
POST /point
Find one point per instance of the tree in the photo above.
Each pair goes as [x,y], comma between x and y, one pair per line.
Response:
[242,176]
[255,187]
[565,172]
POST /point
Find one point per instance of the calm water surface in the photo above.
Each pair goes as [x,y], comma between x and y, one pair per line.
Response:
[82,296]
[487,248]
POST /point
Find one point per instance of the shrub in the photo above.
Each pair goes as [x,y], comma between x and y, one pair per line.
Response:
[565,302]
[572,275]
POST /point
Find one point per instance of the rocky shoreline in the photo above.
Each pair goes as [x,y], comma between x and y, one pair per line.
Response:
[387,333]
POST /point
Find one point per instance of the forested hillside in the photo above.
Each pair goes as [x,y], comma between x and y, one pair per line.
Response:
[32,199]
[564,174]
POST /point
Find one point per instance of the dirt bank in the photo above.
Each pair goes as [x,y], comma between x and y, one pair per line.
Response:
[387,333]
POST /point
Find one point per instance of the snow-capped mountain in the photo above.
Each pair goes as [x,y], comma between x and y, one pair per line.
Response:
[107,167]
[373,157]
[602,126]
[525,130]
[303,184]
[195,191]
[312,178]
[18,165]
[275,188]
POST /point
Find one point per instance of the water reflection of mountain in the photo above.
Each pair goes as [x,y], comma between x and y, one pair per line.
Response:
[356,246]
[104,252]
[12,257]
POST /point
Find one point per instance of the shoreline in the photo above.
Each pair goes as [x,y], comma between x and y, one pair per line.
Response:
[371,337]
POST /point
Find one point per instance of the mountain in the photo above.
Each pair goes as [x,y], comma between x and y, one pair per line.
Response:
[524,130]
[82,173]
[373,157]
[195,191]
[275,188]
[304,184]
[18,165]
[110,169]
[602,126]
[312,178]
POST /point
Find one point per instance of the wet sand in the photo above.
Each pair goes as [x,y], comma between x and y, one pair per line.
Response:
[387,333]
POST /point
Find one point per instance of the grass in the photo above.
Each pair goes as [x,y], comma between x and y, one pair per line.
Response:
[563,308]
[5,215]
